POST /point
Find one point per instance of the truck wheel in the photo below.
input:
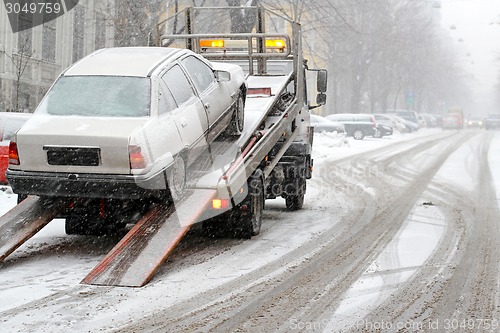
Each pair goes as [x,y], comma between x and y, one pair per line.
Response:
[251,220]
[358,135]
[296,200]
[177,178]
[238,120]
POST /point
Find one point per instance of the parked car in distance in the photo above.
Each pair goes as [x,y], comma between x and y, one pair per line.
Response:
[450,122]
[391,120]
[475,123]
[121,121]
[382,130]
[438,119]
[356,125]
[10,123]
[430,120]
[410,116]
[321,124]
[421,121]
[492,121]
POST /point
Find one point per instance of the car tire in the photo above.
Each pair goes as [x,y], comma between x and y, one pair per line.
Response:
[358,135]
[237,123]
[176,178]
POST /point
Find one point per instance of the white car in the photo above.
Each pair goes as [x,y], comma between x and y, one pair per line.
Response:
[392,121]
[321,124]
[121,121]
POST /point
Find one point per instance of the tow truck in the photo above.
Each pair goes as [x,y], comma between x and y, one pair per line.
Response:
[229,184]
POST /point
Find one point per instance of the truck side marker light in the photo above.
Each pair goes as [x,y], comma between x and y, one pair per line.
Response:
[220,204]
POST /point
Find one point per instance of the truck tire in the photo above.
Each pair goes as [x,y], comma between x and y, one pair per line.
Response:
[295,201]
[237,123]
[250,220]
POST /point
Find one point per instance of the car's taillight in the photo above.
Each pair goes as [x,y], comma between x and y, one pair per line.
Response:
[13,154]
[137,160]
[373,122]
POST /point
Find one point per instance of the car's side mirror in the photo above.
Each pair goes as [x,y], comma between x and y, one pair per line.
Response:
[222,75]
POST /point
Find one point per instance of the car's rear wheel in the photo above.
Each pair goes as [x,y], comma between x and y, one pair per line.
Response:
[177,178]
[238,120]
[358,135]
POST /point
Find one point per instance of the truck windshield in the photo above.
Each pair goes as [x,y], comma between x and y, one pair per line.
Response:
[98,96]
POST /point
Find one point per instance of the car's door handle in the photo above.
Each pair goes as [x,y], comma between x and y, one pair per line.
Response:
[183,122]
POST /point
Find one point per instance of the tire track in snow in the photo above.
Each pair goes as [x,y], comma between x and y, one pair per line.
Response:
[321,279]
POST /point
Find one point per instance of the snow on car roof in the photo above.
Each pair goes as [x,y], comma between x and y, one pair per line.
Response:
[122,61]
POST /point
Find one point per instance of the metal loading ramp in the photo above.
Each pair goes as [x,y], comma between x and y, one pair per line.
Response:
[141,252]
[24,220]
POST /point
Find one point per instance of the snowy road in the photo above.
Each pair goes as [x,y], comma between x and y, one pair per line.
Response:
[397,234]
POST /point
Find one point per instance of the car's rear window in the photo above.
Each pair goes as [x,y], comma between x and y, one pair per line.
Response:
[98,96]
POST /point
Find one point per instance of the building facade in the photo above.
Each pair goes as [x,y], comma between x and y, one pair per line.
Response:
[32,59]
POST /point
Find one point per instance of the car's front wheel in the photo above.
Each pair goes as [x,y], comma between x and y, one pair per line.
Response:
[238,120]
[358,135]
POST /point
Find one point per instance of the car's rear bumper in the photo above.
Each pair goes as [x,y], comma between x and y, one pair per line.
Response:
[85,185]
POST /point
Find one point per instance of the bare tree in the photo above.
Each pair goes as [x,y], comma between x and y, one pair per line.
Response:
[20,62]
[242,20]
